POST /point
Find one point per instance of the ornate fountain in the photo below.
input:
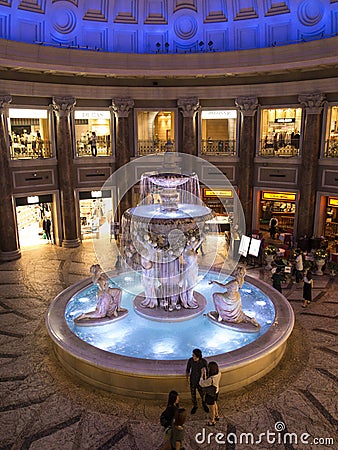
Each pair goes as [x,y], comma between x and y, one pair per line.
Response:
[166,301]
[161,240]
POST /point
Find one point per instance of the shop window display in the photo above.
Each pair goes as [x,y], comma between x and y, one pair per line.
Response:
[96,217]
[155,132]
[29,133]
[281,205]
[93,133]
[218,132]
[331,221]
[331,148]
[280,132]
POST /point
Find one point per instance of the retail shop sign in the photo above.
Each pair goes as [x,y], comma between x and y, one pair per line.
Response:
[228,193]
[291,197]
[285,120]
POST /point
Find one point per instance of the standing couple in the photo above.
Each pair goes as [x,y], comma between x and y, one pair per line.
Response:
[205,379]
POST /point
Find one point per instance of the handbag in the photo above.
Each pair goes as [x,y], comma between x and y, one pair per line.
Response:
[210,391]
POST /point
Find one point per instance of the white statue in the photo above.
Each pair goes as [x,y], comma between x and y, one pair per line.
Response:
[228,304]
[108,299]
[189,278]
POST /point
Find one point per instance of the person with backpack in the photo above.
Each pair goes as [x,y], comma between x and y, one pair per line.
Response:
[167,418]
[210,383]
[178,432]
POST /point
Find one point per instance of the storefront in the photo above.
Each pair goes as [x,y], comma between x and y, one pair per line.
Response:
[218,132]
[331,147]
[280,131]
[221,202]
[95,213]
[35,220]
[281,205]
[93,133]
[155,131]
[29,132]
[331,219]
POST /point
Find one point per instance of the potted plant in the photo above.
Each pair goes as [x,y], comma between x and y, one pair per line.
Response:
[320,256]
[269,252]
[333,268]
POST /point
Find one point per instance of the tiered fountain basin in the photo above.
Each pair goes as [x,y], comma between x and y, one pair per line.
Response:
[140,357]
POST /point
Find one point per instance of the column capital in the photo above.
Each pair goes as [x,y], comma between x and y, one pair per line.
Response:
[63,105]
[189,106]
[5,100]
[247,105]
[313,103]
[122,106]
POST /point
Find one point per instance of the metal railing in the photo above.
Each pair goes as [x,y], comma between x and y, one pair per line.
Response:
[103,146]
[37,149]
[146,147]
[218,147]
[277,149]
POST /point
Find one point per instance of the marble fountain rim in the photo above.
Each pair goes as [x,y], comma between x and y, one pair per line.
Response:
[271,341]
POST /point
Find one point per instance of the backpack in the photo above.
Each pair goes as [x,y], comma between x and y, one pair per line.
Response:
[166,418]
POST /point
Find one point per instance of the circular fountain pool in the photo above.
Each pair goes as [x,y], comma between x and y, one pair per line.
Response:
[137,356]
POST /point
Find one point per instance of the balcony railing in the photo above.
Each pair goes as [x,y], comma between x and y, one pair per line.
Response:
[331,148]
[36,149]
[83,148]
[277,149]
[218,147]
[146,147]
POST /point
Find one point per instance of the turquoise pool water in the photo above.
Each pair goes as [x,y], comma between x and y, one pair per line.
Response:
[139,337]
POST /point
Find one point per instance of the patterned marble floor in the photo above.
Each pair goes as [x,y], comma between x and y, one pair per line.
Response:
[42,407]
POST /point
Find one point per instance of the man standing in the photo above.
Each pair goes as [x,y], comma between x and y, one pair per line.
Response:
[273,227]
[193,374]
[46,225]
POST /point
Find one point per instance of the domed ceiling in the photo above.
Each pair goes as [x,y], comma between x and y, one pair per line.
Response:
[167,26]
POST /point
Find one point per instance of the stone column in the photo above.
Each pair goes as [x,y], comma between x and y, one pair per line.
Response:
[248,107]
[189,106]
[9,243]
[122,108]
[313,107]
[62,107]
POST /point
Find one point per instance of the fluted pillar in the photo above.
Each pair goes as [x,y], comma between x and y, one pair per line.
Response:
[62,107]
[189,106]
[122,108]
[9,243]
[313,107]
[248,107]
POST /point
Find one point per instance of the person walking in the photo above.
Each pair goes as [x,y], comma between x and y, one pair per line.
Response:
[210,382]
[307,289]
[299,266]
[93,143]
[167,418]
[194,368]
[177,434]
[273,227]
[278,278]
[46,225]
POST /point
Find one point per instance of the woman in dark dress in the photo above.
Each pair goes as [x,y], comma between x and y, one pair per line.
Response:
[307,289]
